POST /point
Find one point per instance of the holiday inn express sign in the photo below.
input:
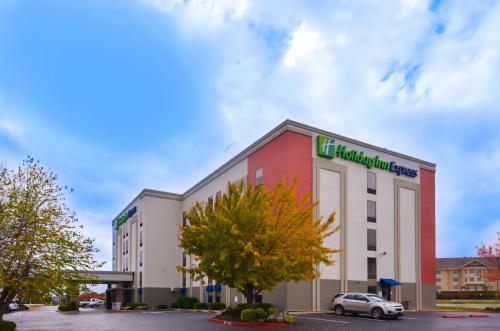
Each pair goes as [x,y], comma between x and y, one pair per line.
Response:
[325,147]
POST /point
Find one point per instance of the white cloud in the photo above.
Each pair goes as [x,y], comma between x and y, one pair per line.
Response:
[304,42]
[201,16]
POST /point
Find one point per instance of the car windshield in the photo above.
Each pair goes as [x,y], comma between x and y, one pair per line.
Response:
[375,298]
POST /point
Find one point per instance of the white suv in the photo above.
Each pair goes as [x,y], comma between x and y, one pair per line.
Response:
[366,303]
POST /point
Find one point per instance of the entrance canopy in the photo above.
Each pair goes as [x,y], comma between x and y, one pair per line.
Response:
[389,282]
[110,277]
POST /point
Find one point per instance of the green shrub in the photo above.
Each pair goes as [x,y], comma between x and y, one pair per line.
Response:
[264,306]
[186,302]
[217,306]
[260,314]
[248,315]
[243,306]
[7,326]
[72,306]
[492,309]
[289,319]
[162,306]
[200,305]
[272,310]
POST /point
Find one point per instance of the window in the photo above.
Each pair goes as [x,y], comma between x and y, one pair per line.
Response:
[184,280]
[259,176]
[372,268]
[217,299]
[184,220]
[211,201]
[126,244]
[372,240]
[455,280]
[140,239]
[372,289]
[124,247]
[372,211]
[218,195]
[438,288]
[140,278]
[350,297]
[258,298]
[455,288]
[140,218]
[183,259]
[372,182]
[140,259]
[456,272]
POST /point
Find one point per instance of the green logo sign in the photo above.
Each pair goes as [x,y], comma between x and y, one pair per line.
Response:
[325,147]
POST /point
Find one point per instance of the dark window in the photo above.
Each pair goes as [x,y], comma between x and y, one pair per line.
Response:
[140,278]
[371,211]
[217,299]
[372,182]
[259,176]
[361,298]
[372,268]
[140,238]
[372,289]
[258,298]
[184,220]
[211,201]
[350,297]
[372,240]
[184,281]
[183,259]
[210,299]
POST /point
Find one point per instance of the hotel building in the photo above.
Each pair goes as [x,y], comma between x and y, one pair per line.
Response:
[384,202]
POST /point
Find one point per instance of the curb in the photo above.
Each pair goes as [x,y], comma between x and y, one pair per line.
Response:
[248,324]
[479,315]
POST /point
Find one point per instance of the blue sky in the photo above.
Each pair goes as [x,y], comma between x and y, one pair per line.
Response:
[116,96]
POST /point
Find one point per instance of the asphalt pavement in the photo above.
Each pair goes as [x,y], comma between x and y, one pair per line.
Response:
[48,319]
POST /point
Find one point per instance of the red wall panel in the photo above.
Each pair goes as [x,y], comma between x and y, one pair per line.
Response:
[286,156]
[428,225]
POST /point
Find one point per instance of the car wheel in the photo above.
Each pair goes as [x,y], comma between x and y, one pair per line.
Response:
[377,313]
[339,310]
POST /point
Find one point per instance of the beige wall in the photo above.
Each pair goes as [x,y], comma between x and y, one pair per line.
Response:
[468,278]
[162,255]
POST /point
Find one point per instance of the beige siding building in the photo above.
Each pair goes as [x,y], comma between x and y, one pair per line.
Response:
[463,274]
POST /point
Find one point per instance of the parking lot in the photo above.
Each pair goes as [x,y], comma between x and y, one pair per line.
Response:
[47,319]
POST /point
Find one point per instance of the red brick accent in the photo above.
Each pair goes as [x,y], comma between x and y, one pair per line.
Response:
[286,156]
[428,225]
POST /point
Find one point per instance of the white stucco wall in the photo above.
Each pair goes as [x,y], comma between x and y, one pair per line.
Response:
[329,196]
[356,214]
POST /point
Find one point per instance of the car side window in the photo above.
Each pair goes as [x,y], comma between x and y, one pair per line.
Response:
[361,298]
[350,297]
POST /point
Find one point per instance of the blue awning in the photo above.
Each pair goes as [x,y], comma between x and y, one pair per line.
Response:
[210,288]
[389,282]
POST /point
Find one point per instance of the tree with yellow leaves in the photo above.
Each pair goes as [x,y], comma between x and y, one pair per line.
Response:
[251,240]
[42,247]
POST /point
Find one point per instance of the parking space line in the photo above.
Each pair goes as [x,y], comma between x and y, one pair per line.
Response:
[321,319]
[408,318]
[359,318]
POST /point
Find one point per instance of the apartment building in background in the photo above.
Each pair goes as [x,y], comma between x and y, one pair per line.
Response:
[384,202]
[463,274]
